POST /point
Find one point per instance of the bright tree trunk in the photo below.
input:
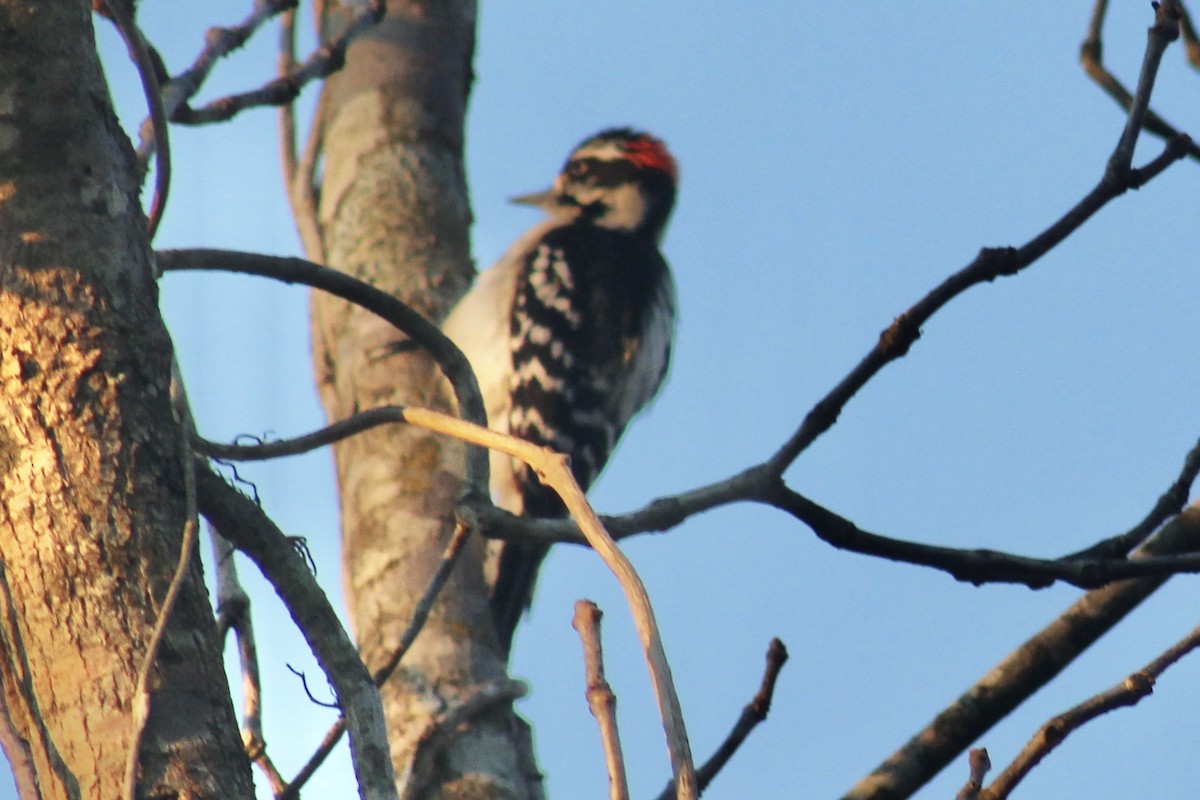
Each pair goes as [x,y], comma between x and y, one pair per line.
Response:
[91,480]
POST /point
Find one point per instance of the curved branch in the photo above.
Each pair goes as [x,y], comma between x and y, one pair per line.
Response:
[449,358]
[977,566]
[148,73]
[554,470]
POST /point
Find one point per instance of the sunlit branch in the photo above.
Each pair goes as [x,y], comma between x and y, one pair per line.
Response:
[600,698]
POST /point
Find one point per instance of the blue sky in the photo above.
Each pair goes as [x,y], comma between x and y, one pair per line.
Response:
[838,161]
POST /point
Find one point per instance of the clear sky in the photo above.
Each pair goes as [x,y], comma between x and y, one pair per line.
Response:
[838,160]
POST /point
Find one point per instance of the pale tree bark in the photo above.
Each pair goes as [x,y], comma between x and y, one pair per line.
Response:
[92,495]
[393,211]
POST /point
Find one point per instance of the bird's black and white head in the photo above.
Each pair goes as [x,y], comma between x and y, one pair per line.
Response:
[620,178]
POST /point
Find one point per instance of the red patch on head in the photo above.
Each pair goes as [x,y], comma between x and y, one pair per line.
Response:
[650,153]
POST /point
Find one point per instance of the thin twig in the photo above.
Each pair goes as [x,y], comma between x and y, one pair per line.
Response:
[324,61]
[977,566]
[299,176]
[992,263]
[218,43]
[979,765]
[1169,504]
[600,698]
[1191,42]
[1047,653]
[243,523]
[416,623]
[1128,692]
[1164,31]
[1091,56]
[754,713]
[148,74]
[285,63]
[553,469]
[141,702]
[424,606]
[302,187]
[233,614]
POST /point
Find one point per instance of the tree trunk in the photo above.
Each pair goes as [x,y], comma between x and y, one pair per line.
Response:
[92,505]
[394,212]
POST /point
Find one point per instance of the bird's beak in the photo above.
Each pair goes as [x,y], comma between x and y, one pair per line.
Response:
[544,199]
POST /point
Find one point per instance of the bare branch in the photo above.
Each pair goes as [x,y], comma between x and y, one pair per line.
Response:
[243,523]
[980,764]
[1164,31]
[754,713]
[1191,42]
[1169,503]
[992,263]
[553,469]
[1128,692]
[324,61]
[976,566]
[1089,569]
[141,701]
[1091,56]
[302,189]
[1023,672]
[425,605]
[233,614]
[299,174]
[419,615]
[139,52]
[600,698]
[285,63]
[448,357]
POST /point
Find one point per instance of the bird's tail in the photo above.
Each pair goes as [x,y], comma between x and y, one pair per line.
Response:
[517,569]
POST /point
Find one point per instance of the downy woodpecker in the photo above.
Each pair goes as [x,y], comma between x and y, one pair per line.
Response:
[570,332]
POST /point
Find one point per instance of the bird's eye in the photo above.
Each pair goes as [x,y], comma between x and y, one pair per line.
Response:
[577,169]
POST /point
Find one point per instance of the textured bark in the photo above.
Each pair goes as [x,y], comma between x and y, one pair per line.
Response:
[394,212]
[91,487]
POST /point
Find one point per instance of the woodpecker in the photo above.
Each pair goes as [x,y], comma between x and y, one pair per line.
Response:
[569,334]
